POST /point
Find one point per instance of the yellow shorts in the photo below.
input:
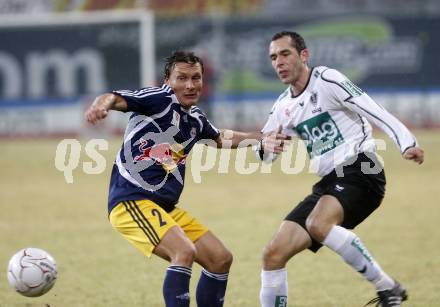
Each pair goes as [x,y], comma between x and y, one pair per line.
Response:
[144,223]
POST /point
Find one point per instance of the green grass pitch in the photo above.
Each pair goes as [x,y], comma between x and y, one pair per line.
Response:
[98,268]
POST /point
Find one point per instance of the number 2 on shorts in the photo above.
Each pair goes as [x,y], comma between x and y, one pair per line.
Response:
[155,212]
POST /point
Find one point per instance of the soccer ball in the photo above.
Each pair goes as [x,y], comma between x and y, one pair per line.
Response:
[32,272]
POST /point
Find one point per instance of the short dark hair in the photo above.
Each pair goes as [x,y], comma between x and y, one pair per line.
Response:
[297,40]
[180,57]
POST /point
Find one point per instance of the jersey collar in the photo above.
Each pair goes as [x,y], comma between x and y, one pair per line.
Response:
[307,84]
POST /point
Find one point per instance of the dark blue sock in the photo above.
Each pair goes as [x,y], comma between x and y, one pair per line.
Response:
[211,289]
[176,286]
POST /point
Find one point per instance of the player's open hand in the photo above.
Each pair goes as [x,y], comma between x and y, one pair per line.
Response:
[414,153]
[275,141]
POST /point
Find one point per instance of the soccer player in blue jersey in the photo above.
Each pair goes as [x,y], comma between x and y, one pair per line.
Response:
[148,177]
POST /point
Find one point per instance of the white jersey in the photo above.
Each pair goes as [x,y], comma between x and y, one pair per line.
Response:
[331,115]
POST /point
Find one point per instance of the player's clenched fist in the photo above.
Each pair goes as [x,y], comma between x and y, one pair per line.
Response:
[414,153]
[102,104]
[95,112]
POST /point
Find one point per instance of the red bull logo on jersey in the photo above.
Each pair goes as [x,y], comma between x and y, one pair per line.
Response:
[165,154]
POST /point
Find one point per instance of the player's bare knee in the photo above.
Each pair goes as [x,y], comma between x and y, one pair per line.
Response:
[267,253]
[222,262]
[227,260]
[317,228]
[273,257]
[185,255]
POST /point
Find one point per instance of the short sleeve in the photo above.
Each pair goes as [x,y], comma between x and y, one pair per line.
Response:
[209,131]
[147,101]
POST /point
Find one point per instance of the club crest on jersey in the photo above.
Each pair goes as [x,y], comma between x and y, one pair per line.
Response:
[176,119]
[193,132]
[314,102]
[314,98]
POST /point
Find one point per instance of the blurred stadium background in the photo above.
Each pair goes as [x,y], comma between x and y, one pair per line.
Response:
[56,55]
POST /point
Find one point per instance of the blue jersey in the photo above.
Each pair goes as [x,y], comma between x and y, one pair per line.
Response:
[159,136]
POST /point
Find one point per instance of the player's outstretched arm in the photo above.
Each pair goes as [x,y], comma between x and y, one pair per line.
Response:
[102,104]
[237,139]
[415,154]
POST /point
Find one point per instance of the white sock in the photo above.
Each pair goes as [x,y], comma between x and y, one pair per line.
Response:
[350,248]
[273,288]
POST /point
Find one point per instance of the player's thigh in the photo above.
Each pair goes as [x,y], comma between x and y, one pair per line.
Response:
[301,213]
[190,225]
[328,210]
[176,247]
[210,251]
[357,199]
[142,222]
[290,239]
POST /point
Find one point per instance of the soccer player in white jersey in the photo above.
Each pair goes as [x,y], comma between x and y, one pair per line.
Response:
[331,115]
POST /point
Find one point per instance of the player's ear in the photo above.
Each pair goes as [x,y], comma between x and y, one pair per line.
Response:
[304,54]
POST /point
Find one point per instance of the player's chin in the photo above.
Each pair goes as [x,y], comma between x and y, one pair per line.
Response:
[284,80]
[288,81]
[188,102]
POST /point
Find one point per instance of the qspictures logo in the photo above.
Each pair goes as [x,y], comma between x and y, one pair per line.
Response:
[158,151]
